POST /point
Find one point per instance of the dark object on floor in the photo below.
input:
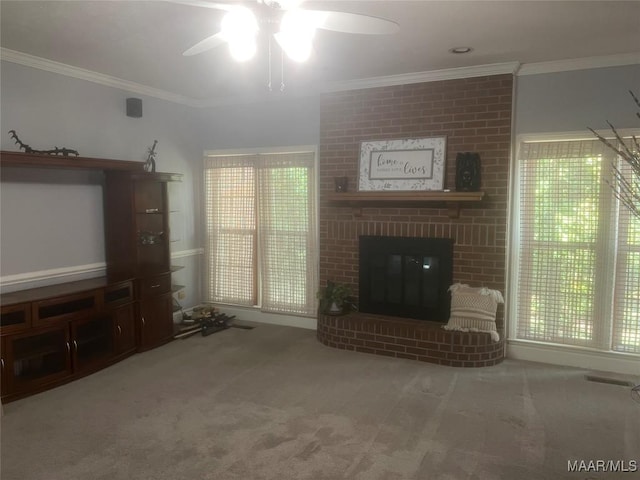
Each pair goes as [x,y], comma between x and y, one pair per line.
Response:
[55,151]
[609,380]
[208,327]
[219,322]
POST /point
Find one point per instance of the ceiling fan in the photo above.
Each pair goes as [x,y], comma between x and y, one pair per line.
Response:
[292,27]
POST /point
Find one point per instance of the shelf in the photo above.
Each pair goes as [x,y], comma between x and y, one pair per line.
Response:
[177,288]
[175,268]
[21,159]
[359,200]
[40,352]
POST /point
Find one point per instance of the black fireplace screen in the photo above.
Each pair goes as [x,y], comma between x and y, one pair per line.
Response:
[406,277]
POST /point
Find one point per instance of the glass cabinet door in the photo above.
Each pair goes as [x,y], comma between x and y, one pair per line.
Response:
[36,358]
[92,341]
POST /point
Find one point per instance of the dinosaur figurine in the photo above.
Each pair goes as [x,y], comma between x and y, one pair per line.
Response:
[55,151]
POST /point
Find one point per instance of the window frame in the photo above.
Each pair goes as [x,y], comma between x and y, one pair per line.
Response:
[603,331]
[249,151]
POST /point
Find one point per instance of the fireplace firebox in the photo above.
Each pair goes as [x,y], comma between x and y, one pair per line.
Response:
[406,276]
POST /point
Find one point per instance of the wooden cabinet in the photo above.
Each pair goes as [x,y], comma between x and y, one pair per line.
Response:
[138,236]
[54,334]
[51,335]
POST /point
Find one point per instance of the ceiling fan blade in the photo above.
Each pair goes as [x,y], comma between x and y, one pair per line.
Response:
[205,4]
[206,44]
[353,22]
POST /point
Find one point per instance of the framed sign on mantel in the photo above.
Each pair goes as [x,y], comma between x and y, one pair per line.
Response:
[410,164]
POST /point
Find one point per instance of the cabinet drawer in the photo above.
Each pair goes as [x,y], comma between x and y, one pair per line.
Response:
[14,318]
[155,285]
[119,294]
[64,308]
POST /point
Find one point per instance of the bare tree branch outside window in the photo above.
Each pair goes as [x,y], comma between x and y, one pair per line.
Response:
[626,179]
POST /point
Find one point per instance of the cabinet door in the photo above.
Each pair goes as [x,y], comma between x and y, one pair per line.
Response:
[3,363]
[156,321]
[125,331]
[92,341]
[36,358]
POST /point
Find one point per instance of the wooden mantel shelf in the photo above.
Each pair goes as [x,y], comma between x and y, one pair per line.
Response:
[405,199]
[32,160]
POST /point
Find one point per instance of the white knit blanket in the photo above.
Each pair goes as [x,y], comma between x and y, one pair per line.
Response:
[474,309]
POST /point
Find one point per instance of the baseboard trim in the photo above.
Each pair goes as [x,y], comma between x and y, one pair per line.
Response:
[574,357]
[255,315]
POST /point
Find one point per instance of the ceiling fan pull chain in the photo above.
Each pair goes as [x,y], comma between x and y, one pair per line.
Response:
[270,76]
[282,70]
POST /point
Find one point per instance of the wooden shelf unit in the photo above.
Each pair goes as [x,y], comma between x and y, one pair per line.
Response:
[54,334]
[358,200]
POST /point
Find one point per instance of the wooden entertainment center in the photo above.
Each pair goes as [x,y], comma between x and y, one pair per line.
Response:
[54,334]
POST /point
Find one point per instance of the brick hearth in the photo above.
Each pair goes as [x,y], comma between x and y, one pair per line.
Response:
[412,339]
[475,116]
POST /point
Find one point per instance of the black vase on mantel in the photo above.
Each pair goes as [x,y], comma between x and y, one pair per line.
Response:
[468,172]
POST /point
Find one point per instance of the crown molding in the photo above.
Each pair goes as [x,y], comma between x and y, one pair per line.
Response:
[512,68]
[584,63]
[94,77]
[422,77]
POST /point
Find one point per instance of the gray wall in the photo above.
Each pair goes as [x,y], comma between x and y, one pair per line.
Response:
[290,121]
[572,101]
[53,219]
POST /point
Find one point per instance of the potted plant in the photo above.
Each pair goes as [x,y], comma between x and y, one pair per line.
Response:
[335,299]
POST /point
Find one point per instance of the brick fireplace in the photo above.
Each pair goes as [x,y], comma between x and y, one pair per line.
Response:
[475,116]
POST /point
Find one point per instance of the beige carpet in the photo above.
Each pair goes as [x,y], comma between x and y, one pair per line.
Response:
[273,403]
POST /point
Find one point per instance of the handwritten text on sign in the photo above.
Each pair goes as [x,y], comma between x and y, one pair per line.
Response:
[400,164]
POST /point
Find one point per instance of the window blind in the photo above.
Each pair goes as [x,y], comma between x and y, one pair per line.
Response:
[626,318]
[230,212]
[286,232]
[579,254]
[261,228]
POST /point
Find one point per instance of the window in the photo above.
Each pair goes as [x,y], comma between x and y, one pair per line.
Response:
[261,246]
[578,274]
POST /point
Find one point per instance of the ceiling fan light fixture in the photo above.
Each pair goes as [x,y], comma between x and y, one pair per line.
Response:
[297,49]
[242,50]
[239,29]
[297,29]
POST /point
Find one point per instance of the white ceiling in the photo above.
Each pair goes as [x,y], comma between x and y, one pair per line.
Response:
[142,41]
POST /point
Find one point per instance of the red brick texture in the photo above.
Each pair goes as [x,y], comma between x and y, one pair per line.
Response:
[411,339]
[475,116]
